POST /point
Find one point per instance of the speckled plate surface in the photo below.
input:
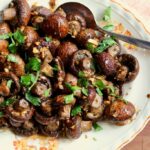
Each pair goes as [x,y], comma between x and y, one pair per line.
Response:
[111,137]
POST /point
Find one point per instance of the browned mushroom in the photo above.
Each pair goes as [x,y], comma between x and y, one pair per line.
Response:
[31,36]
[26,129]
[42,88]
[46,107]
[106,63]
[60,74]
[85,35]
[114,50]
[76,22]
[128,68]
[4,28]
[5,88]
[82,61]
[52,129]
[120,112]
[73,127]
[65,51]
[64,112]
[56,25]
[15,65]
[20,111]
[86,126]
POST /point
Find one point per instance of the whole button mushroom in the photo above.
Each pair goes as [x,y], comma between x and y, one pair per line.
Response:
[128,69]
[120,112]
[106,63]
[65,51]
[56,25]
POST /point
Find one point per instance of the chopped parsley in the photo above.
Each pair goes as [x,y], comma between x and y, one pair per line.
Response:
[72,88]
[81,74]
[7,102]
[109,27]
[68,98]
[107,14]
[76,110]
[84,91]
[90,47]
[34,64]
[19,36]
[97,127]
[33,99]
[83,82]
[11,58]
[9,83]
[48,39]
[47,92]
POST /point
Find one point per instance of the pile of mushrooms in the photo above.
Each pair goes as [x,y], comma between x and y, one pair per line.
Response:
[52,81]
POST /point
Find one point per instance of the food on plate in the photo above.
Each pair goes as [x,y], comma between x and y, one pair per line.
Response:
[59,78]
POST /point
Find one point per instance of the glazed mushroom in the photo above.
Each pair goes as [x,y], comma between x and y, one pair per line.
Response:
[120,112]
[86,126]
[76,23]
[106,63]
[52,129]
[82,61]
[15,64]
[65,51]
[128,68]
[44,50]
[20,111]
[85,36]
[114,50]
[59,74]
[42,88]
[19,13]
[46,107]
[4,28]
[25,129]
[64,112]
[73,127]
[31,36]
[56,25]
[9,89]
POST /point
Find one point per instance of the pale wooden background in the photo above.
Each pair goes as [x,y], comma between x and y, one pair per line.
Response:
[141,8]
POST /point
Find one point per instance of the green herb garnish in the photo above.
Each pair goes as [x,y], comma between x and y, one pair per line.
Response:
[19,36]
[99,84]
[34,64]
[85,91]
[76,110]
[107,14]
[48,39]
[5,36]
[72,88]
[83,82]
[109,27]
[97,127]
[90,47]
[68,98]
[9,83]
[27,79]
[12,48]
[11,58]
[7,102]
[33,99]
[47,92]
[99,92]
[81,74]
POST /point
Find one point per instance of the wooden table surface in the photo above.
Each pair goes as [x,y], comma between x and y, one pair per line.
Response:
[141,8]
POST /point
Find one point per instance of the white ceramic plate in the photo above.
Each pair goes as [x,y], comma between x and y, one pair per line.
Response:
[111,137]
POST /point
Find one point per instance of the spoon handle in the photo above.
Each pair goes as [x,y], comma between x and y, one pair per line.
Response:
[131,40]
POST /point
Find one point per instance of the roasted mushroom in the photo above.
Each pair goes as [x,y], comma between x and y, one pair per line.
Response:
[114,50]
[86,126]
[9,84]
[4,28]
[73,127]
[64,112]
[65,51]
[106,63]
[46,107]
[52,129]
[82,61]
[120,112]
[76,22]
[85,36]
[26,129]
[128,68]
[15,64]
[31,36]
[42,88]
[56,25]
[20,111]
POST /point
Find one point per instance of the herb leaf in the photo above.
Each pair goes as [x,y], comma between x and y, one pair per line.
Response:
[72,88]
[83,82]
[81,74]
[99,92]
[11,58]
[109,27]
[19,36]
[27,79]
[97,127]
[76,110]
[85,91]
[107,14]
[48,39]
[90,47]
[99,84]
[12,48]
[9,83]
[68,98]
[32,99]
[107,42]
[5,36]
[34,64]
[47,92]
[7,102]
